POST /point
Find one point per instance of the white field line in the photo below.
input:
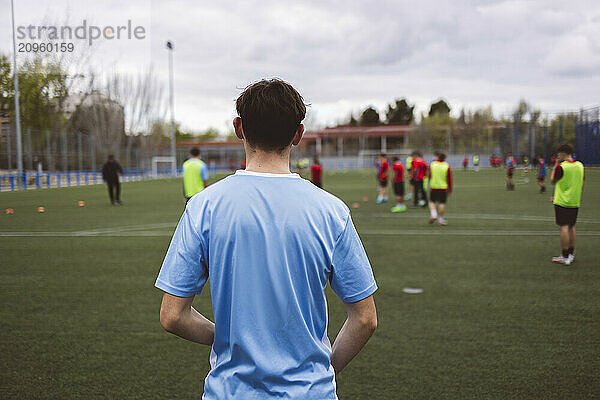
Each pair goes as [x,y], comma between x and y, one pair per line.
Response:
[474,232]
[476,216]
[367,232]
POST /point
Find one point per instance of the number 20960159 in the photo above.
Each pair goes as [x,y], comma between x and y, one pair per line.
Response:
[46,47]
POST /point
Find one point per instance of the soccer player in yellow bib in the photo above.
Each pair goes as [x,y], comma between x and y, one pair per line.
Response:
[567,177]
[195,174]
[440,182]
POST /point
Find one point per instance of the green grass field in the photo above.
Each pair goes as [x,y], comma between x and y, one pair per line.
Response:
[496,318]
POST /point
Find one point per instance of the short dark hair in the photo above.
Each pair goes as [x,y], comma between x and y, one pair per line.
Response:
[111,157]
[271,111]
[565,148]
[441,155]
[382,155]
[195,152]
[395,159]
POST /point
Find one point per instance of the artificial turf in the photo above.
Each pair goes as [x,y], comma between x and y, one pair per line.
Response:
[496,318]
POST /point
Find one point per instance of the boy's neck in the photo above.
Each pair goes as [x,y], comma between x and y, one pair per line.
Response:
[271,162]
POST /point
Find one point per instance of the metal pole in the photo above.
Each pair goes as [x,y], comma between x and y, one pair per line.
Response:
[515,137]
[9,147]
[16,80]
[173,154]
[545,138]
[65,149]
[531,140]
[48,151]
[92,140]
[29,151]
[560,129]
[80,149]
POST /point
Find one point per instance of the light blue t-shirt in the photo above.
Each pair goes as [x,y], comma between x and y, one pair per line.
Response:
[269,243]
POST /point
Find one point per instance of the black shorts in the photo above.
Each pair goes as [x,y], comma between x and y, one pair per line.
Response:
[565,215]
[438,196]
[509,174]
[541,178]
[412,181]
[399,188]
[382,182]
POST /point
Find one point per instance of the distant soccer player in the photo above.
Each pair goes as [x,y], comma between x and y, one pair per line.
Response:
[465,163]
[510,170]
[476,162]
[440,181]
[541,177]
[567,176]
[316,172]
[270,242]
[195,174]
[398,169]
[419,172]
[382,167]
[110,174]
[411,186]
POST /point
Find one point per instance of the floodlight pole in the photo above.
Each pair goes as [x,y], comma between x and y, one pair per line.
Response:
[16,80]
[173,151]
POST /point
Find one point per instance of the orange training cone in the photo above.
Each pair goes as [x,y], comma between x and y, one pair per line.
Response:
[41,210]
[355,205]
[81,203]
[10,211]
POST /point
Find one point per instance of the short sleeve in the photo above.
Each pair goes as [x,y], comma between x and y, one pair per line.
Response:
[351,274]
[184,271]
[204,172]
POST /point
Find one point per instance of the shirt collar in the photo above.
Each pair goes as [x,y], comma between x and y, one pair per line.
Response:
[266,174]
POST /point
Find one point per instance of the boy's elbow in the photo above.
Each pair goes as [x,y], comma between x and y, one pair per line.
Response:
[372,324]
[369,323]
[169,321]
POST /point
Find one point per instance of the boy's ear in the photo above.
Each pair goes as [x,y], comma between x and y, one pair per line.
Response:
[237,127]
[298,135]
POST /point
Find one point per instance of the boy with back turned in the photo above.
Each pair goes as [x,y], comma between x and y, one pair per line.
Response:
[567,178]
[269,241]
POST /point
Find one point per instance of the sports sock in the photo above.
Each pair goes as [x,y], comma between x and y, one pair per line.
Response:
[433,213]
[565,253]
[571,251]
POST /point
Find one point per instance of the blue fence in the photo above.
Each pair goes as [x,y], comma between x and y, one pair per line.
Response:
[588,142]
[36,180]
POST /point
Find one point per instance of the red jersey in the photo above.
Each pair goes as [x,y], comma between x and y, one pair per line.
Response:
[315,172]
[382,170]
[398,169]
[419,169]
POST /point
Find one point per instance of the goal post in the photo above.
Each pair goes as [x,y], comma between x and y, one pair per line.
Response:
[163,160]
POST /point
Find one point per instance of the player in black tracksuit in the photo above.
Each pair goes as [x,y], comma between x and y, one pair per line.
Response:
[110,173]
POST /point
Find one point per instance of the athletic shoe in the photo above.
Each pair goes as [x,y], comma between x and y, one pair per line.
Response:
[408,196]
[565,261]
[432,220]
[569,260]
[379,201]
[422,203]
[397,209]
[442,222]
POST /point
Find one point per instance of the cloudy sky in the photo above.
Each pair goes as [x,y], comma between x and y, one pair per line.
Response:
[343,55]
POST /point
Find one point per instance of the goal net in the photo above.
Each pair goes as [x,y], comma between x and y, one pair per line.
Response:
[163,166]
